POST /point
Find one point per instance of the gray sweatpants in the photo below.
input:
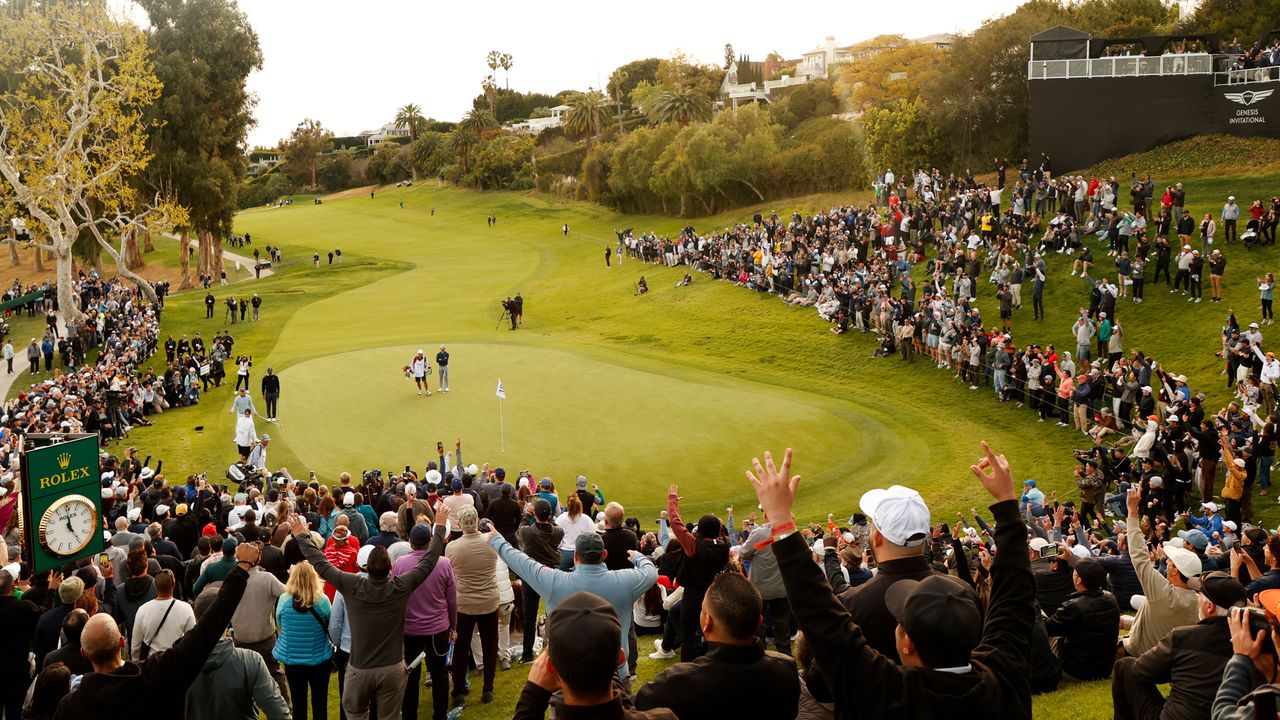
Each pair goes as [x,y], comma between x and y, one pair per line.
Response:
[363,684]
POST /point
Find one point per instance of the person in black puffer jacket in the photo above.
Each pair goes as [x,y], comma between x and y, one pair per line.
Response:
[704,557]
[1086,626]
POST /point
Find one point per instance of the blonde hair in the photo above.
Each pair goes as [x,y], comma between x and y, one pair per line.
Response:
[304,584]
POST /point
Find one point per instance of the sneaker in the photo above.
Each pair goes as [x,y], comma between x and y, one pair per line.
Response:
[486,697]
[454,714]
[1040,420]
[459,700]
[660,655]
[973,387]
[506,664]
[428,392]
[419,392]
[1199,299]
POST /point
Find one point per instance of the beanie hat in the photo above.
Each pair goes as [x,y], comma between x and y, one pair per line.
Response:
[70,590]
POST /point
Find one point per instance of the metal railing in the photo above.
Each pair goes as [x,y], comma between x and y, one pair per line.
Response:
[1251,75]
[1121,66]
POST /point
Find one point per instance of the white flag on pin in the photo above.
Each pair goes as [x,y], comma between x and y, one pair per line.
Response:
[502,393]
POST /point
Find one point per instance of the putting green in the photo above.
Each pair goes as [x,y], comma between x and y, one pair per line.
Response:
[630,430]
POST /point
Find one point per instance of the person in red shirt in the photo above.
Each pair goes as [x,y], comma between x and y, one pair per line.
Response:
[1256,211]
[341,551]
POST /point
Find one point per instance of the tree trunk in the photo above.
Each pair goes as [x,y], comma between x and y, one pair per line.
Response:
[122,263]
[215,254]
[39,263]
[132,257]
[95,257]
[13,247]
[184,243]
[68,301]
[147,244]
[202,252]
[684,204]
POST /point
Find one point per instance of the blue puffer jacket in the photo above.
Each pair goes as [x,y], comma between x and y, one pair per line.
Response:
[302,640]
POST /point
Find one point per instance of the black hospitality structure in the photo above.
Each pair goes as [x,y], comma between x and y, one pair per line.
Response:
[1097,98]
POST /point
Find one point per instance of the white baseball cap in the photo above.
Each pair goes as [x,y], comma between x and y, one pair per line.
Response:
[899,513]
[362,555]
[349,499]
[1187,562]
[1035,543]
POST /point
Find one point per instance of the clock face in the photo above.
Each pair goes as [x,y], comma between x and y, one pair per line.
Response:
[68,525]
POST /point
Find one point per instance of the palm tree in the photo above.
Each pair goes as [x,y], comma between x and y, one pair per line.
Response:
[461,141]
[468,132]
[478,121]
[617,80]
[682,105]
[587,114]
[410,117]
[505,61]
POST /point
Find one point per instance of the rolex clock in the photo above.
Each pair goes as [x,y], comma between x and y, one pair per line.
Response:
[68,525]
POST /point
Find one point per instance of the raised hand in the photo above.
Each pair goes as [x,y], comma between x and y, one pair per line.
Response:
[984,556]
[248,552]
[297,526]
[1133,497]
[999,481]
[543,674]
[1243,641]
[442,514]
[775,487]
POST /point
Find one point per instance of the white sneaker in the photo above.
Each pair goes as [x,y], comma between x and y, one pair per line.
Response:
[659,655]
[428,392]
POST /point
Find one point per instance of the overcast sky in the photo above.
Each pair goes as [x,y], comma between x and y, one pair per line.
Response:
[351,64]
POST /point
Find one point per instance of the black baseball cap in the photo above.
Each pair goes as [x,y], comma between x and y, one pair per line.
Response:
[940,614]
[542,510]
[584,637]
[589,547]
[1220,588]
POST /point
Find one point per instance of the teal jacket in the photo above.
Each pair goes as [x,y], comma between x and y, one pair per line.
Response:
[619,588]
[302,640]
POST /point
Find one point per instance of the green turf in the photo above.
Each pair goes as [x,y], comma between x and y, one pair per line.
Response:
[678,386]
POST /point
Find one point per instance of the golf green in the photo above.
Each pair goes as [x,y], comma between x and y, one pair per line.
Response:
[564,415]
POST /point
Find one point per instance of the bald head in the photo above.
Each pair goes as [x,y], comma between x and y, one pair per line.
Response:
[122,523]
[73,625]
[100,643]
[614,515]
[341,521]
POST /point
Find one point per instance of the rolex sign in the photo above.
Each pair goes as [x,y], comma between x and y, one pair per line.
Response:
[63,502]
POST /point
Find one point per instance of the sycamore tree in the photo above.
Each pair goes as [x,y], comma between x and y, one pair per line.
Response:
[73,134]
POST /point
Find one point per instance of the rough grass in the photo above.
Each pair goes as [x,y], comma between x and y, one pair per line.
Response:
[1203,156]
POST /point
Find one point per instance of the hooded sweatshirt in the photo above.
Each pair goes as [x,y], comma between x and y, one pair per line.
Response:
[136,591]
[234,685]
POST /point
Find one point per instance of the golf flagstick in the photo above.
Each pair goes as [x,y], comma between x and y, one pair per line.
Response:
[502,432]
